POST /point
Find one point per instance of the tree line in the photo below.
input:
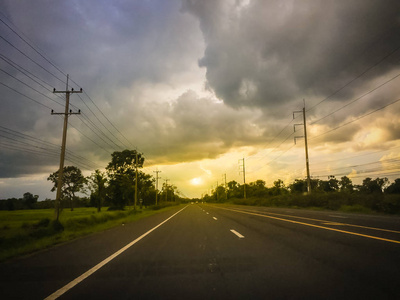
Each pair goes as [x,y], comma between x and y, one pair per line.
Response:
[114,188]
[377,194]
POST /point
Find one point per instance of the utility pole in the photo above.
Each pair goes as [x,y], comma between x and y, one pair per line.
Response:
[166,189]
[226,190]
[136,179]
[63,143]
[157,177]
[216,191]
[306,144]
[244,176]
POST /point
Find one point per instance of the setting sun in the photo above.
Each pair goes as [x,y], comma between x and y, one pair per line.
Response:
[196,181]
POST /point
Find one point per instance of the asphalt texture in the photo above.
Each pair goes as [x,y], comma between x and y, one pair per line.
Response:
[222,252]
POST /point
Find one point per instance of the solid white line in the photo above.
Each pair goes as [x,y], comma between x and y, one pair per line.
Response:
[237,234]
[85,275]
[215,218]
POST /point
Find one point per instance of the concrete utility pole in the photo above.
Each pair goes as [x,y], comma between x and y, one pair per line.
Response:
[157,177]
[306,144]
[244,176]
[63,144]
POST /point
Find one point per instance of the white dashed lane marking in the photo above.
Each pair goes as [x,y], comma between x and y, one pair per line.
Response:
[237,234]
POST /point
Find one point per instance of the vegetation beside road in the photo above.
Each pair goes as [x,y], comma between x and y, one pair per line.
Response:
[373,196]
[27,231]
[388,204]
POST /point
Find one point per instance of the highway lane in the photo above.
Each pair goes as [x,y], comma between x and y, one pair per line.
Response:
[210,252]
[379,226]
[39,275]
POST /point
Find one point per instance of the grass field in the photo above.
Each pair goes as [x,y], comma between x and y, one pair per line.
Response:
[27,231]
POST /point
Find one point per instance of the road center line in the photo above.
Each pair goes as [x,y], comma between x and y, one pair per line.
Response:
[326,221]
[237,234]
[85,275]
[312,225]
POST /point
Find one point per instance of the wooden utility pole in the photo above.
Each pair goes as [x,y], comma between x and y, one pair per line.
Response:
[63,144]
[157,177]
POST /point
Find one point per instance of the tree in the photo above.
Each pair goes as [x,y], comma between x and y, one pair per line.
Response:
[146,188]
[29,200]
[346,185]
[121,171]
[97,185]
[278,188]
[298,186]
[394,188]
[377,185]
[234,190]
[257,189]
[73,182]
[331,185]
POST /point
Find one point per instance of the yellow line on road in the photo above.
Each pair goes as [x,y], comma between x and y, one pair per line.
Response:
[312,225]
[336,223]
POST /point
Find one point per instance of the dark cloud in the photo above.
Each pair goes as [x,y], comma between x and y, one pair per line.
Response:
[265,53]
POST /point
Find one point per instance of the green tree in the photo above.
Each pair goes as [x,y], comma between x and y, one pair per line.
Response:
[96,183]
[256,189]
[146,188]
[234,190]
[73,182]
[121,171]
[298,186]
[330,185]
[394,188]
[29,200]
[346,185]
[371,186]
[279,188]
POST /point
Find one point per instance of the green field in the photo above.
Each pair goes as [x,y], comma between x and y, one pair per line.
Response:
[27,231]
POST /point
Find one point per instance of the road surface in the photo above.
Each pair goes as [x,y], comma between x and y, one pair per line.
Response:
[204,251]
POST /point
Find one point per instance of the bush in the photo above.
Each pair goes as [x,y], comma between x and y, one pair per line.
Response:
[389,204]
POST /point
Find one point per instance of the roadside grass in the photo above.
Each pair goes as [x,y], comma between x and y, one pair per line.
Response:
[26,231]
[356,203]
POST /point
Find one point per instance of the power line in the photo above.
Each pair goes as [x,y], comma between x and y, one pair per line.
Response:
[358,76]
[36,63]
[25,95]
[356,119]
[33,48]
[367,93]
[27,85]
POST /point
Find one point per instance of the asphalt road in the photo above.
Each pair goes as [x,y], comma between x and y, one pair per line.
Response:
[220,252]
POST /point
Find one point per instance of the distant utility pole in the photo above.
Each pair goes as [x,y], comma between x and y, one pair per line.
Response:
[306,145]
[244,175]
[226,190]
[136,179]
[216,191]
[166,189]
[157,177]
[63,144]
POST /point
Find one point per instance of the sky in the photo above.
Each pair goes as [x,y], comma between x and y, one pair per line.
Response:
[198,86]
